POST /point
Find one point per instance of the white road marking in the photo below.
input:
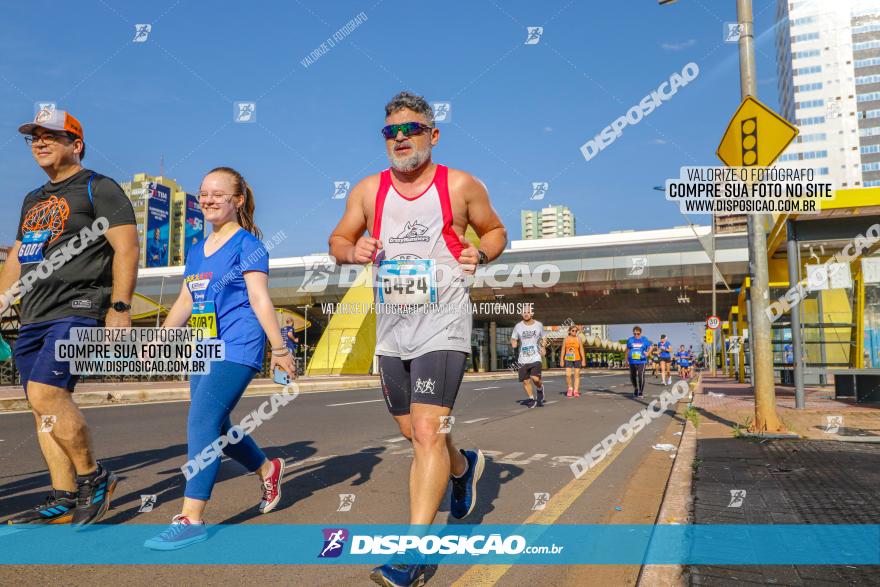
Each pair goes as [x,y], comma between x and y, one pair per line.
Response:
[396,439]
[474,420]
[490,387]
[366,401]
[551,402]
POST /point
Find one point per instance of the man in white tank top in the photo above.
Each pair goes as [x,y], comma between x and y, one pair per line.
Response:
[416,213]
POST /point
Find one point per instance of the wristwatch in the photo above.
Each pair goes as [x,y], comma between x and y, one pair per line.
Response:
[484,258]
[120,306]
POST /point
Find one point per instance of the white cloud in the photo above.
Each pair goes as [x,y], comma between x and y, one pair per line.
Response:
[679,46]
[548,129]
[659,142]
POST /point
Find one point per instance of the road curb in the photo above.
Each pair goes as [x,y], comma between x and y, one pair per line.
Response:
[676,507]
[263,387]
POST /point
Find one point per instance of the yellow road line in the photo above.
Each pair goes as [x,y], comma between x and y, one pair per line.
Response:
[486,575]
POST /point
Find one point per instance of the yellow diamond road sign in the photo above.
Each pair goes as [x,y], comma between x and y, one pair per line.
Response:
[755,136]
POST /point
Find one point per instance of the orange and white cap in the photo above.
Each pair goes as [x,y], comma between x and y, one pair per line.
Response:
[52,119]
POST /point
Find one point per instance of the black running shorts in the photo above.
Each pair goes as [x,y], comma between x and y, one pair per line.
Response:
[529,370]
[433,378]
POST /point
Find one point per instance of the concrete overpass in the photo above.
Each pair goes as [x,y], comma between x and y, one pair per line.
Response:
[616,278]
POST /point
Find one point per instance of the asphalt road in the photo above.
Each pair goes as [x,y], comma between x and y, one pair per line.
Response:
[346,443]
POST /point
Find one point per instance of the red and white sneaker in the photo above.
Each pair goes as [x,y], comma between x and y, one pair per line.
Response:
[272,487]
[569,393]
[577,394]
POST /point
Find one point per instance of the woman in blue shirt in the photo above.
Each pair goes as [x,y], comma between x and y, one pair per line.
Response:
[226,294]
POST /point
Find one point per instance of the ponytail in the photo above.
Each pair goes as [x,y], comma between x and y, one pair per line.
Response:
[244,214]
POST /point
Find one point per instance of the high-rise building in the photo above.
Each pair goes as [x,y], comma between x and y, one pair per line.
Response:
[829,86]
[549,222]
[169,220]
[600,330]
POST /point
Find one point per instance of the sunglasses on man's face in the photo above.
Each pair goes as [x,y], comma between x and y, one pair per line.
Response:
[408,129]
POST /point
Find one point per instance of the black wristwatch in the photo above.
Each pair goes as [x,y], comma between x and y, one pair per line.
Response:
[120,306]
[484,258]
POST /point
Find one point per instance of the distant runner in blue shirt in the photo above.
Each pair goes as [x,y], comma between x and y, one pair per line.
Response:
[225,294]
[637,356]
[684,362]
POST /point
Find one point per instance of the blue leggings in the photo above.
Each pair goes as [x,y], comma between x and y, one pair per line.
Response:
[213,397]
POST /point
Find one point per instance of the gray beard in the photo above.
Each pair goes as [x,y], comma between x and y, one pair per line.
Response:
[412,162]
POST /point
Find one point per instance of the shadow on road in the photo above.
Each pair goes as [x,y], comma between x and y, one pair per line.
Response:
[314,477]
[489,488]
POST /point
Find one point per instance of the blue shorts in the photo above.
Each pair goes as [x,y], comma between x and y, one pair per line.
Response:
[35,352]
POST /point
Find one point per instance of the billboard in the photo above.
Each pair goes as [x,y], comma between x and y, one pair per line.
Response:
[194,224]
[158,231]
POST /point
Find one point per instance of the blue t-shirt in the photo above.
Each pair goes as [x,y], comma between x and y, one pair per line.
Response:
[684,358]
[217,285]
[637,349]
[285,330]
[665,349]
[788,350]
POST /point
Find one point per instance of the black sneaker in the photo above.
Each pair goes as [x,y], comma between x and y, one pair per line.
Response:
[57,509]
[541,397]
[531,403]
[93,496]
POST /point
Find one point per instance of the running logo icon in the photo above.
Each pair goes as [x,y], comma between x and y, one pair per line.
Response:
[424,386]
[317,275]
[833,424]
[340,189]
[346,501]
[639,264]
[442,111]
[733,31]
[245,112]
[541,500]
[737,497]
[44,111]
[334,541]
[413,232]
[147,503]
[533,36]
[47,423]
[446,423]
[539,189]
[141,32]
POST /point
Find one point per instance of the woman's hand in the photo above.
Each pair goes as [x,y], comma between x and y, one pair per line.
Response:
[284,362]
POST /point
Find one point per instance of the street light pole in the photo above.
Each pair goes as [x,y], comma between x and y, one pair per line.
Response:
[766,419]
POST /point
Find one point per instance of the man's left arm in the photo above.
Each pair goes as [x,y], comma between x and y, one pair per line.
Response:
[112,204]
[486,222]
[126,254]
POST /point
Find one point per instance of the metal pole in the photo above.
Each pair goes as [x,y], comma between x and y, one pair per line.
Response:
[714,297]
[159,308]
[759,324]
[796,339]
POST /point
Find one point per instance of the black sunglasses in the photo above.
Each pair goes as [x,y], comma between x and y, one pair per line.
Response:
[408,129]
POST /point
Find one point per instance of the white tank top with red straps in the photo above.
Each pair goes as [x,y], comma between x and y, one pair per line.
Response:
[423,300]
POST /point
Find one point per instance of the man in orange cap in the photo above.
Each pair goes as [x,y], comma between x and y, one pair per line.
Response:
[68,273]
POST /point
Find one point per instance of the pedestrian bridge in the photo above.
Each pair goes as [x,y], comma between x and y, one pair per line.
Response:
[625,277]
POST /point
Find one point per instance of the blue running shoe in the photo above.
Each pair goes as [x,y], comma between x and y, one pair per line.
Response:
[181,533]
[464,488]
[401,575]
[57,509]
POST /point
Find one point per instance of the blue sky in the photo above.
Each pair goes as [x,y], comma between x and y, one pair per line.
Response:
[519,112]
